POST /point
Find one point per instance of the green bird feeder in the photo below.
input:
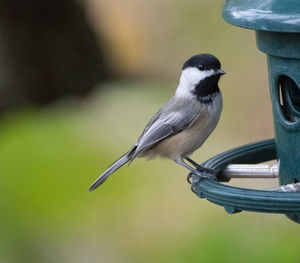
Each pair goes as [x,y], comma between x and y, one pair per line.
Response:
[277,27]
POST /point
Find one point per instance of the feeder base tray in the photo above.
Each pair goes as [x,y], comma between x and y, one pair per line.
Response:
[235,199]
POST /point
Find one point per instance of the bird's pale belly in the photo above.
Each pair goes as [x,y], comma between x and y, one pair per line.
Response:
[188,140]
[183,143]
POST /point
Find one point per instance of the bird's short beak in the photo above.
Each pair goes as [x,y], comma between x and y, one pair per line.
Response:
[220,72]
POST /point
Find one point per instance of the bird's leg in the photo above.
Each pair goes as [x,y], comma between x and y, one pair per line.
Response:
[200,174]
[192,162]
[199,167]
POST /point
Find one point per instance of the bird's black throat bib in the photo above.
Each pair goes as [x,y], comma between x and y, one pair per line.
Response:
[206,88]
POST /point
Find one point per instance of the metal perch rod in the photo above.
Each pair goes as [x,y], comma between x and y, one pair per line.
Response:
[259,171]
[251,171]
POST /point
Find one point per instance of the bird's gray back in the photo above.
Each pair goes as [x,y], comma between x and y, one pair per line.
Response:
[176,115]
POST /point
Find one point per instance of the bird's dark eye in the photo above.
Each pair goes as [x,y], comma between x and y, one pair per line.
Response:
[200,67]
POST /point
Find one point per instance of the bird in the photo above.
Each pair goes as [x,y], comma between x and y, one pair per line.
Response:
[183,124]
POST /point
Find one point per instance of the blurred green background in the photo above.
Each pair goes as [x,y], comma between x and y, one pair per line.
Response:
[144,213]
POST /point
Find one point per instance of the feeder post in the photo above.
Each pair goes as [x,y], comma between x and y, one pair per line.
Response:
[277,27]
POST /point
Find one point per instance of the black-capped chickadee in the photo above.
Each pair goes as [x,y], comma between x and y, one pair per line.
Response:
[185,122]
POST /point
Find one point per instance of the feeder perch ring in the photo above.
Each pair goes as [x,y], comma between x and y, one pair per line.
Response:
[235,199]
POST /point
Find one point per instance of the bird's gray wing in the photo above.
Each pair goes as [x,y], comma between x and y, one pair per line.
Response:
[149,124]
[168,123]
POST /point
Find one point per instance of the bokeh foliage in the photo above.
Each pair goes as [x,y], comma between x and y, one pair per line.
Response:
[146,212]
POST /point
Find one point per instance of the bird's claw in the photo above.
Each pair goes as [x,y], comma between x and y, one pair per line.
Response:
[205,174]
[193,178]
[189,178]
[204,170]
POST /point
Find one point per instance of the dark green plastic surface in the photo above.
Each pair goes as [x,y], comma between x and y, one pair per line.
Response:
[287,132]
[267,15]
[278,44]
[277,25]
[235,199]
[283,56]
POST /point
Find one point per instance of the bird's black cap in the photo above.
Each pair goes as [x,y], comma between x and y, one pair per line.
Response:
[203,62]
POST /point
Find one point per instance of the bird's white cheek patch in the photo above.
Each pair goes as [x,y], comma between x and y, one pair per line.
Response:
[194,75]
[190,77]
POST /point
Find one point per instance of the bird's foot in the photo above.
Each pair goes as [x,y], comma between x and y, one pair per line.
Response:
[202,173]
[194,178]
[204,170]
[199,167]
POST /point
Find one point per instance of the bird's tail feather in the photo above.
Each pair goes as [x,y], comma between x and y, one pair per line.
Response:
[111,169]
